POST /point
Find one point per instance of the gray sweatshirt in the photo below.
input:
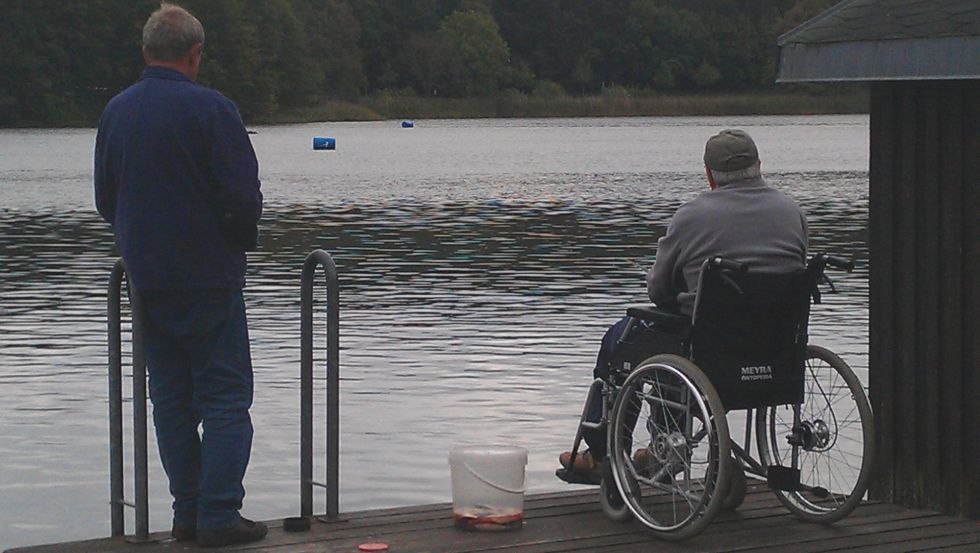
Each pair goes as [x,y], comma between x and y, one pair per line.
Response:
[745,221]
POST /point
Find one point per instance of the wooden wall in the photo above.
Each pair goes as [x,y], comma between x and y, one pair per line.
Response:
[924,333]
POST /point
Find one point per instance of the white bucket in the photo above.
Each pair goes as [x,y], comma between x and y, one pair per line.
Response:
[488,487]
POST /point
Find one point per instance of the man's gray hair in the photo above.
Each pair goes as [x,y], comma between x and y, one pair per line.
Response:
[722,178]
[170,32]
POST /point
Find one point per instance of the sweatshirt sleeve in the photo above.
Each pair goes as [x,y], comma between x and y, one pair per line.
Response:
[236,172]
[663,276]
[105,185]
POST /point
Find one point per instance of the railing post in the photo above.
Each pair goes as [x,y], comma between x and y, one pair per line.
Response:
[141,478]
[116,476]
[332,485]
[116,483]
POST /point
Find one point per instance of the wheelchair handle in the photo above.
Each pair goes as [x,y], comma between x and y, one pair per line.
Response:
[728,264]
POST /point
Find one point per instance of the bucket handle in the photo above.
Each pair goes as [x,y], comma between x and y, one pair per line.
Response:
[489,483]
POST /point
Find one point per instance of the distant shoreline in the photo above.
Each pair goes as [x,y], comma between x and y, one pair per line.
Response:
[614,103]
[389,106]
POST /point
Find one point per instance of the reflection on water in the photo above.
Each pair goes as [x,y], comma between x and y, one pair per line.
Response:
[471,307]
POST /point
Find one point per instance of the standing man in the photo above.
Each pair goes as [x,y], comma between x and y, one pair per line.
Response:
[740,218]
[176,177]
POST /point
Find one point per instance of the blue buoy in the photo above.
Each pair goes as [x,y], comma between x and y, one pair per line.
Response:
[408,124]
[324,143]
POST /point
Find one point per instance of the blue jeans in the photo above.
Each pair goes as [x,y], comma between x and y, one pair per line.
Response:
[596,438]
[200,370]
[655,343]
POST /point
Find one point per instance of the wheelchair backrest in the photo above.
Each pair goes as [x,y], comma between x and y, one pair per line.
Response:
[749,334]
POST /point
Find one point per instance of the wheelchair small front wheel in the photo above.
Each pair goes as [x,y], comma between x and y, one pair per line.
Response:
[610,499]
[737,486]
[834,441]
[669,447]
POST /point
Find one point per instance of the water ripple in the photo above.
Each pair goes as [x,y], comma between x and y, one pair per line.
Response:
[472,306]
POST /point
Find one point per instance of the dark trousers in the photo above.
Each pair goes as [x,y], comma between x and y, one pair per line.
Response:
[654,343]
[200,371]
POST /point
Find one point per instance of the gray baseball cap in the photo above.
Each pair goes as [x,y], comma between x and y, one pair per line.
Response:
[730,150]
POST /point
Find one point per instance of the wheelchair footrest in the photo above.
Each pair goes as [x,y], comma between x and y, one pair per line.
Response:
[782,478]
[579,476]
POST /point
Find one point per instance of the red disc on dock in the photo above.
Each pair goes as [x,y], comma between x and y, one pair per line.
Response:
[376,546]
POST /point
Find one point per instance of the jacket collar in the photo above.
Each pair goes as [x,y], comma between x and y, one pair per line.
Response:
[161,72]
[751,182]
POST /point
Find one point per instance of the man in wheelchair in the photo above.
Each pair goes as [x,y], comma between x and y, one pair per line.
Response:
[739,218]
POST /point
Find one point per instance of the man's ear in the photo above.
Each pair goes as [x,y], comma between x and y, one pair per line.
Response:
[194,59]
[195,53]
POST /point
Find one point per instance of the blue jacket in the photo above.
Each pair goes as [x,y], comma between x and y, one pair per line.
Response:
[176,177]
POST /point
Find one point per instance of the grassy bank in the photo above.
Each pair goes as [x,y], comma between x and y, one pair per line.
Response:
[614,102]
[610,104]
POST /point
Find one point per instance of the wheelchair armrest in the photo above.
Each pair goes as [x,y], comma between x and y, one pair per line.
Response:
[650,312]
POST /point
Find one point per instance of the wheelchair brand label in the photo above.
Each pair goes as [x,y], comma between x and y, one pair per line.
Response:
[758,372]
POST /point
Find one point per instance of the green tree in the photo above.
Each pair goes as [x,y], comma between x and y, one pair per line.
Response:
[29,67]
[61,62]
[386,26]
[658,47]
[473,59]
[556,39]
[418,63]
[300,78]
[232,53]
[798,13]
[707,75]
[332,34]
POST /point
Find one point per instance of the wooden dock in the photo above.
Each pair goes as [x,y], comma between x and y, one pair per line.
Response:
[572,521]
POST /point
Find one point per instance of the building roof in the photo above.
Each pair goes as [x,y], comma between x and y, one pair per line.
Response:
[865,40]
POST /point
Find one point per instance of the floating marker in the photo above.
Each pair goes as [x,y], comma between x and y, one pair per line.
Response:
[324,143]
[408,124]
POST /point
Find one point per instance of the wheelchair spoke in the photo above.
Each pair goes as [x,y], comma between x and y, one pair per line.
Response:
[664,442]
[834,440]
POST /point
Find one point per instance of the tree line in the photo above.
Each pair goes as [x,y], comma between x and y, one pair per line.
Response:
[61,61]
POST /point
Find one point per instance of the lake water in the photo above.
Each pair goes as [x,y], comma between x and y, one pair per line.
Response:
[480,262]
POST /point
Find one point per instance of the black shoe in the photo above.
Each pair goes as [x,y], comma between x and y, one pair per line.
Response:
[181,532]
[243,531]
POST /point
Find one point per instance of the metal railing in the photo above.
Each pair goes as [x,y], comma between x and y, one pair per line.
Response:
[116,468]
[313,260]
[116,473]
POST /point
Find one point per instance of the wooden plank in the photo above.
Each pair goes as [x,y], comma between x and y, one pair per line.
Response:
[551,532]
[951,293]
[971,548]
[970,491]
[908,375]
[930,414]
[796,539]
[924,264]
[863,537]
[925,258]
[573,522]
[957,542]
[881,373]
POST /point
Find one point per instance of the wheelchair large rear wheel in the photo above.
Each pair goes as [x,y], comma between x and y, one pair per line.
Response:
[669,448]
[837,435]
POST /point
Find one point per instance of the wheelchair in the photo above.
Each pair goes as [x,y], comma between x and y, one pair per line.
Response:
[670,462]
